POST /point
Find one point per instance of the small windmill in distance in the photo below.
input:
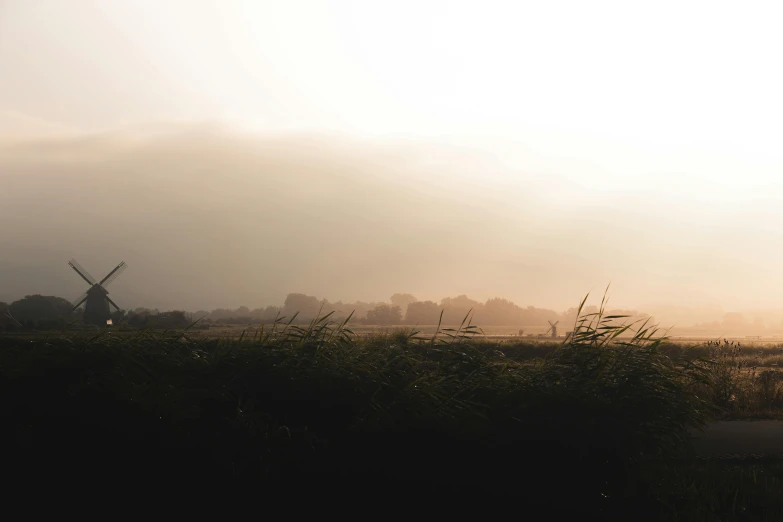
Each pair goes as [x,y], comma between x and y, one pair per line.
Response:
[96,308]
[552,328]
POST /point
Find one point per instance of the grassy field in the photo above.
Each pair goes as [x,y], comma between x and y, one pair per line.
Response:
[749,376]
[498,333]
[596,425]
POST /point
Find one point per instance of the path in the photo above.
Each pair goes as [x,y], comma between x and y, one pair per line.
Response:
[758,438]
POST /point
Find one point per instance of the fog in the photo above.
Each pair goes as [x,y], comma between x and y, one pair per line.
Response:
[208,217]
[234,152]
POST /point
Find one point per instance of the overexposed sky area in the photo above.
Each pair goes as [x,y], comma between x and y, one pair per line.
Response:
[638,141]
[654,75]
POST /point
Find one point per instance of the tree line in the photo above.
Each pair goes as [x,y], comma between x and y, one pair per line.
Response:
[404,309]
[48,312]
[401,309]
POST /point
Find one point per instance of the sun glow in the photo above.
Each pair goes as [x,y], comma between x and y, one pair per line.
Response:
[674,88]
[659,119]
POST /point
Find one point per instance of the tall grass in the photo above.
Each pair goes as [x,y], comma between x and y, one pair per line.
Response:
[743,383]
[599,394]
[316,404]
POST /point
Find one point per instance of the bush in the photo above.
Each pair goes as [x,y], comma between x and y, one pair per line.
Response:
[162,320]
[42,311]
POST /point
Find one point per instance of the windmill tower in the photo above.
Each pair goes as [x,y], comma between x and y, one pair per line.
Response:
[96,298]
[553,328]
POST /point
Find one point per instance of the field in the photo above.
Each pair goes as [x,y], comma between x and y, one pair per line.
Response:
[600,425]
[510,332]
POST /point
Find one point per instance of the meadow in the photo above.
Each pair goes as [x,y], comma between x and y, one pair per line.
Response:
[600,423]
[748,379]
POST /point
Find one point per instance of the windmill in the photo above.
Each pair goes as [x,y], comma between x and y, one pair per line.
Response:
[553,328]
[96,308]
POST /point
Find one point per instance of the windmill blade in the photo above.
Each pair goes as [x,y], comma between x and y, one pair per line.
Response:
[111,276]
[11,317]
[113,303]
[82,272]
[78,301]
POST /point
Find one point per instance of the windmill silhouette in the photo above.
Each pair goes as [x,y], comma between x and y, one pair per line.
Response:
[96,298]
[553,328]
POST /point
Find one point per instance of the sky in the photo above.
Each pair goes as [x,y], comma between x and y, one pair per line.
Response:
[234,151]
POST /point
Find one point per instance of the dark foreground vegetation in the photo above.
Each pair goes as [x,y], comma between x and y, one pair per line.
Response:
[596,426]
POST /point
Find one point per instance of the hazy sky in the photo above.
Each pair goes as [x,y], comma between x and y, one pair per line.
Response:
[234,151]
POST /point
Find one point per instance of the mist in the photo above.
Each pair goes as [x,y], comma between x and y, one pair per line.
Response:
[209,216]
[234,152]
[206,218]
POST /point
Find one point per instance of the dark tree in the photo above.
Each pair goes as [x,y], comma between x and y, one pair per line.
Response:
[37,309]
[270,313]
[163,320]
[422,312]
[174,319]
[308,306]
[455,309]
[142,310]
[118,316]
[500,312]
[384,314]
[402,300]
